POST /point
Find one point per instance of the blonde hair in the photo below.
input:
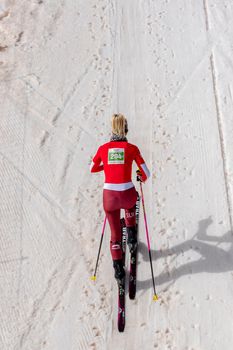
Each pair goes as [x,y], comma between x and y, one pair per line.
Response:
[119,125]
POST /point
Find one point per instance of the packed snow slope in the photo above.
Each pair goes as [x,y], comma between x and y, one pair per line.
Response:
[65,67]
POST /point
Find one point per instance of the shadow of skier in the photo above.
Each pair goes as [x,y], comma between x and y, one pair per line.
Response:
[213,258]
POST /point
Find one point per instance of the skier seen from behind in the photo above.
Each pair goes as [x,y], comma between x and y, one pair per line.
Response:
[116,158]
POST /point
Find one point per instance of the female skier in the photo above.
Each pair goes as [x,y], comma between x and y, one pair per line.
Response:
[116,158]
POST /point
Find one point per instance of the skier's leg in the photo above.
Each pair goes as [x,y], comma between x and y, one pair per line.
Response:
[115,243]
[115,227]
[113,216]
[130,219]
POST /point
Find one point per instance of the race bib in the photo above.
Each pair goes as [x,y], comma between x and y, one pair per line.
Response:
[116,156]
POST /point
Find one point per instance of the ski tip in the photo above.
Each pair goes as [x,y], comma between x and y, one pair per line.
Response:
[155,297]
[121,330]
[93,278]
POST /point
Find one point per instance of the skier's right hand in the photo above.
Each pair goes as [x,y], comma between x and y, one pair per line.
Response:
[139,175]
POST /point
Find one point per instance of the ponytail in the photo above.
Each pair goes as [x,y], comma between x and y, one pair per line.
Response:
[119,125]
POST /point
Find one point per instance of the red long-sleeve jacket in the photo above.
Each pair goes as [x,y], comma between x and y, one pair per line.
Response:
[116,158]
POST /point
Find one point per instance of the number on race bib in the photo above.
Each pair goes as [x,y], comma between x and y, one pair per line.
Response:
[116,156]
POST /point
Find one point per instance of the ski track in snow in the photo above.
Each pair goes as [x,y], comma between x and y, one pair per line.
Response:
[205,5]
[65,68]
[222,141]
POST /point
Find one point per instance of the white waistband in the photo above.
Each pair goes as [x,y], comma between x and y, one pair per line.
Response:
[118,187]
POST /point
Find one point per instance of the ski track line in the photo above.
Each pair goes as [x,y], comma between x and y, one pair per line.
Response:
[50,200]
[185,83]
[28,84]
[21,204]
[68,162]
[113,46]
[35,113]
[208,53]
[20,77]
[71,93]
[59,110]
[221,139]
[38,324]
[45,195]
[48,125]
[2,262]
[205,6]
[202,153]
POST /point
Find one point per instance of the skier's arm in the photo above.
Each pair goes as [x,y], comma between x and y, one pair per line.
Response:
[96,163]
[141,165]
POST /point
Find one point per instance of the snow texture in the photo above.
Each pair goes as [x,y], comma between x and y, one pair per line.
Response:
[65,67]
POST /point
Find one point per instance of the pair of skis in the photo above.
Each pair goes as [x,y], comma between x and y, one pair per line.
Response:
[133,263]
[132,272]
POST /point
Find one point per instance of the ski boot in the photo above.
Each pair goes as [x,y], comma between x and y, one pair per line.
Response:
[119,271]
[132,239]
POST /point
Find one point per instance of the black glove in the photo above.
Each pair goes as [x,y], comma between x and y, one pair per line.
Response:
[139,175]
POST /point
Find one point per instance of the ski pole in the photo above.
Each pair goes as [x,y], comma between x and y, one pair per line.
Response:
[155,296]
[93,278]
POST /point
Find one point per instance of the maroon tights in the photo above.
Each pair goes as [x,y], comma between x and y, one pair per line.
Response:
[113,202]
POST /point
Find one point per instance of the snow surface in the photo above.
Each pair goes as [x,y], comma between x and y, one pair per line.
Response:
[65,67]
